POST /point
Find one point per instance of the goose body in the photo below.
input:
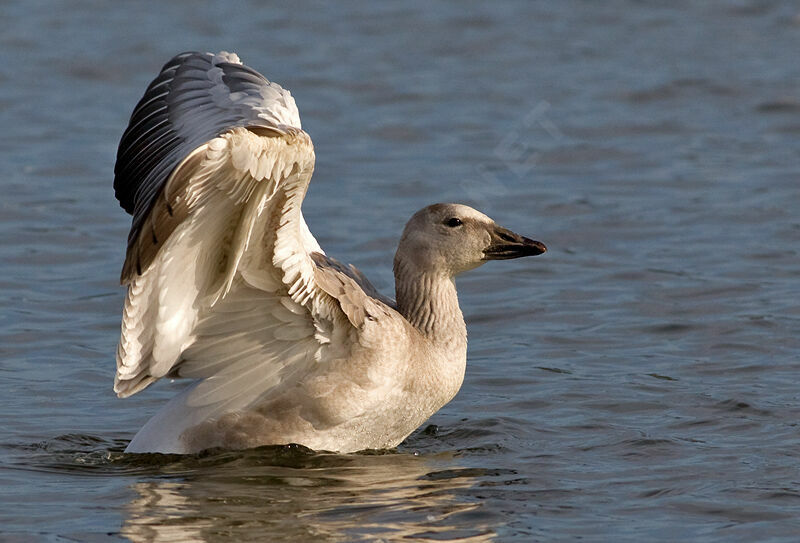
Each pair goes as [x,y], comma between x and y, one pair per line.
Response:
[227,286]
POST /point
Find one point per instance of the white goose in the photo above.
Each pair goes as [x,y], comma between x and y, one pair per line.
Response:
[227,286]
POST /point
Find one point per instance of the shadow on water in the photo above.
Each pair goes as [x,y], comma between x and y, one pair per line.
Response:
[276,492]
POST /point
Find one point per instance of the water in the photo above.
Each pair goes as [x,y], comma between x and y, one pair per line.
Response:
[637,382]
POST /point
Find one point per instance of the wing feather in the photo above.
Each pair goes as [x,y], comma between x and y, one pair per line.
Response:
[225,281]
[164,129]
[192,244]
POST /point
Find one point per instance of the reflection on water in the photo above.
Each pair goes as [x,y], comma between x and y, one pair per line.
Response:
[305,496]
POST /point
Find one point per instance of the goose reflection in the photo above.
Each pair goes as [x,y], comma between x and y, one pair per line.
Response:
[303,497]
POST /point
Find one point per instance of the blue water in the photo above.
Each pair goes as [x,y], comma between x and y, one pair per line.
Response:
[637,382]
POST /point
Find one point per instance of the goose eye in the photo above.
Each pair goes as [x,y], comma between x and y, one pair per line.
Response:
[453,222]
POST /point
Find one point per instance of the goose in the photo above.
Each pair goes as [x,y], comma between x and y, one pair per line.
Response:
[227,287]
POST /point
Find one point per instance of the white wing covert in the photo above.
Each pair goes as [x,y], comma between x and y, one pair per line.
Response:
[222,281]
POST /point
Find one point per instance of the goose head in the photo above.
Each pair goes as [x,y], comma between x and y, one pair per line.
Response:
[453,238]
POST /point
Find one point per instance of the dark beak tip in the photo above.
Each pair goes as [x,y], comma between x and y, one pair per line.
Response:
[535,247]
[522,246]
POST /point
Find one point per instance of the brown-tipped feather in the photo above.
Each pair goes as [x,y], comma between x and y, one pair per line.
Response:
[173,206]
[169,210]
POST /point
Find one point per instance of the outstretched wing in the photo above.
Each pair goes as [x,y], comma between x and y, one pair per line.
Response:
[221,280]
[195,98]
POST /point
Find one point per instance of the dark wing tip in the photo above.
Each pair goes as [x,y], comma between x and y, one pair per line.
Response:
[186,105]
[148,125]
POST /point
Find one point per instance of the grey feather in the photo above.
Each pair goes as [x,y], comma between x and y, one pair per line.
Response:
[196,97]
[324,261]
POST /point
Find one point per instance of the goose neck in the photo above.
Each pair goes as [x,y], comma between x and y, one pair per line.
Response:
[429,301]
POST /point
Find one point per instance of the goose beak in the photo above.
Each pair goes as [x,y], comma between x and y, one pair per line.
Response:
[506,244]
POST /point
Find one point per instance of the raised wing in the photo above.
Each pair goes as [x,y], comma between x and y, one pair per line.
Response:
[196,97]
[222,284]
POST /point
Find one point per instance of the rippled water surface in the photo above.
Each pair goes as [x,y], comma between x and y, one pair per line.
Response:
[638,382]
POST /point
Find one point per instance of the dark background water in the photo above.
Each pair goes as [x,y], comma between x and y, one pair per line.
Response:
[637,382]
